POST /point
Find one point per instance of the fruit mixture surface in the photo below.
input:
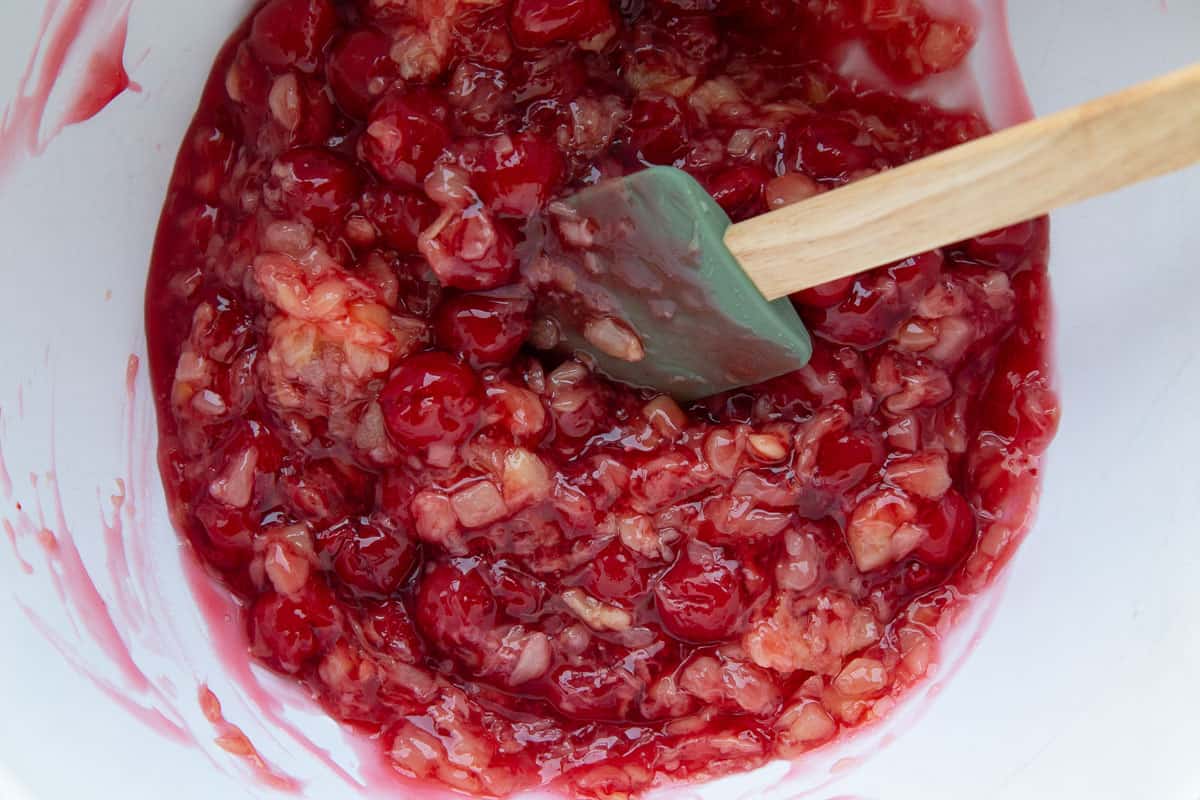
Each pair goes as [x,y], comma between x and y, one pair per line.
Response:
[507,569]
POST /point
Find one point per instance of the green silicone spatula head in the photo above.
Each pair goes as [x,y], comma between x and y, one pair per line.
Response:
[647,288]
[646,280]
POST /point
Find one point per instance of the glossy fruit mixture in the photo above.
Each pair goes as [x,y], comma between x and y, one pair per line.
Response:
[507,569]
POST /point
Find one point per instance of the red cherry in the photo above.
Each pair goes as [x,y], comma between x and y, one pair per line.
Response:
[740,190]
[696,35]
[455,607]
[882,300]
[520,594]
[248,80]
[215,148]
[844,460]
[406,133]
[482,35]
[288,33]
[316,183]
[951,527]
[270,449]
[592,692]
[699,598]
[1032,289]
[1020,405]
[360,69]
[400,216]
[758,15]
[536,23]
[316,114]
[396,495]
[555,74]
[826,295]
[862,319]
[389,627]
[915,577]
[658,130]
[520,174]
[471,250]
[831,147]
[288,630]
[228,530]
[223,338]
[420,291]
[481,98]
[1006,248]
[385,12]
[613,575]
[326,490]
[917,46]
[430,398]
[487,331]
[374,558]
[247,435]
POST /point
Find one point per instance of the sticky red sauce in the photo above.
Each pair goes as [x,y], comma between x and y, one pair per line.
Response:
[506,569]
[123,507]
[75,71]
[377,772]
[79,592]
[232,740]
[6,484]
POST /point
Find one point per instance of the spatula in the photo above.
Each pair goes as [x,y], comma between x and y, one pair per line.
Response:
[668,294]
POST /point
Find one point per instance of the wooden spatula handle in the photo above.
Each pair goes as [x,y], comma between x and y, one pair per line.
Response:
[999,180]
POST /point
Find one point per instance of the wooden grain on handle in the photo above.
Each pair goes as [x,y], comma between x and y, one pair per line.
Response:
[999,180]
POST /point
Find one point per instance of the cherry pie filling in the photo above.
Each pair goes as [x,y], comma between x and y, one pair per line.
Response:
[506,568]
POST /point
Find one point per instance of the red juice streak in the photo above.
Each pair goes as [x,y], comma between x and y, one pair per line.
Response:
[232,740]
[6,492]
[139,450]
[11,534]
[117,561]
[152,702]
[128,564]
[107,77]
[79,53]
[84,597]
[30,528]
[151,717]
[6,484]
[222,615]
[124,509]
[1009,99]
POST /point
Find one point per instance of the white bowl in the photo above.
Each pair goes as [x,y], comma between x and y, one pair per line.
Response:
[1082,686]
